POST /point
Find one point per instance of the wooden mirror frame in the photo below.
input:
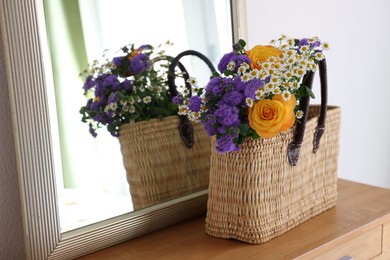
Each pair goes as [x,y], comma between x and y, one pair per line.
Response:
[25,47]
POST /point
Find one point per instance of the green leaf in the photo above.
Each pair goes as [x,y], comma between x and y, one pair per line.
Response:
[156,111]
[200,92]
[227,73]
[240,139]
[309,92]
[242,43]
[254,135]
[244,128]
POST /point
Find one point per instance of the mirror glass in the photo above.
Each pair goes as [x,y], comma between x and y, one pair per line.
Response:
[91,179]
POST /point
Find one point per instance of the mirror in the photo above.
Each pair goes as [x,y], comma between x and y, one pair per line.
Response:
[91,178]
[26,47]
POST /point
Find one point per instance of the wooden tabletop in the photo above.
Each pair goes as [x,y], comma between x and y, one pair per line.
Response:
[358,207]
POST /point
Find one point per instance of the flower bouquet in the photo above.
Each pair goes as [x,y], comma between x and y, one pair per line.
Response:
[257,110]
[126,88]
[128,93]
[256,95]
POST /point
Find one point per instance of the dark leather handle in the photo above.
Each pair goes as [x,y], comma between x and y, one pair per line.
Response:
[293,148]
[175,61]
[178,63]
[185,128]
[324,102]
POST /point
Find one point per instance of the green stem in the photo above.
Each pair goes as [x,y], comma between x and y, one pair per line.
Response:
[139,108]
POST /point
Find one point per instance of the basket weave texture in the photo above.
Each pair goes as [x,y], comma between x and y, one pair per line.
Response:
[256,195]
[158,165]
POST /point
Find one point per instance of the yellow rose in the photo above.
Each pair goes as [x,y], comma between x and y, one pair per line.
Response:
[269,117]
[261,53]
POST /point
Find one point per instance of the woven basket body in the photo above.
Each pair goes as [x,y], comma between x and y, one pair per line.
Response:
[158,165]
[256,195]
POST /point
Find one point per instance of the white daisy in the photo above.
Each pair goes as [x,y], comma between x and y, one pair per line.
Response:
[147,99]
[286,95]
[254,73]
[249,102]
[183,110]
[276,91]
[319,55]
[325,46]
[192,81]
[304,48]
[186,91]
[299,114]
[231,66]
[245,65]
[246,77]
[269,87]
[194,116]
[259,93]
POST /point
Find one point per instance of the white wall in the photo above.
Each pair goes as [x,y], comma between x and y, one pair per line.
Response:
[358,70]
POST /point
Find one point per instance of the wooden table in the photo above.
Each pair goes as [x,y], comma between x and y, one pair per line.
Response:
[359,226]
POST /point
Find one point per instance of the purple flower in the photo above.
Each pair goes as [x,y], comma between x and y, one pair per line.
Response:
[232,98]
[116,85]
[195,103]
[145,47]
[118,61]
[89,83]
[239,85]
[106,81]
[268,79]
[225,144]
[227,115]
[113,97]
[209,124]
[101,118]
[214,86]
[303,41]
[92,130]
[127,85]
[221,129]
[95,106]
[177,99]
[110,79]
[109,113]
[316,44]
[239,59]
[222,65]
[227,82]
[251,88]
[89,103]
[306,41]
[139,64]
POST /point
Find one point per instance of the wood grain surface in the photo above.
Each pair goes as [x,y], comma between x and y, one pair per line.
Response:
[361,211]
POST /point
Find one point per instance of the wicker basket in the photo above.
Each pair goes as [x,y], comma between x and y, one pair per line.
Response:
[262,190]
[159,166]
[256,195]
[169,158]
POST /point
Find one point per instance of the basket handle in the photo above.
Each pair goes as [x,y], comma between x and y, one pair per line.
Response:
[293,148]
[185,128]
